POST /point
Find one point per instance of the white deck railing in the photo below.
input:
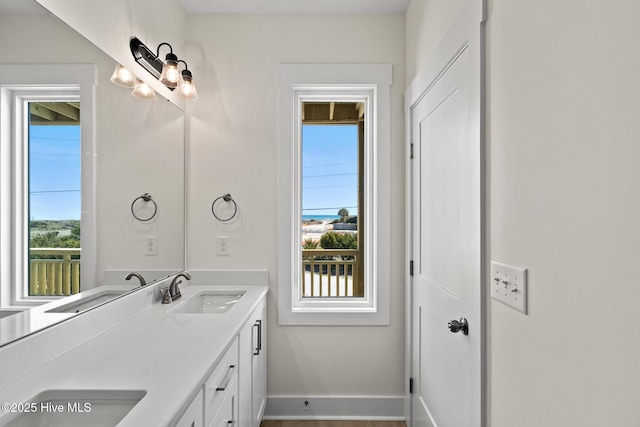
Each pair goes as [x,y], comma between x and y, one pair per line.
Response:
[330,273]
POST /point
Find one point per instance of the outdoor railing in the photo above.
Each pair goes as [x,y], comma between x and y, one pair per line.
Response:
[54,271]
[330,273]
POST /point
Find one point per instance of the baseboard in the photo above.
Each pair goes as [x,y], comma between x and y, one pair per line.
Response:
[363,408]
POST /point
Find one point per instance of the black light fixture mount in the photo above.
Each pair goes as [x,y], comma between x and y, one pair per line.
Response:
[145,57]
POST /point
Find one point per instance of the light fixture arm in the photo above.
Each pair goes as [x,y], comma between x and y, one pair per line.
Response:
[163,44]
[186,67]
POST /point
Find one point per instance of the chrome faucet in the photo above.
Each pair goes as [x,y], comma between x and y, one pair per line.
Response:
[139,276]
[174,291]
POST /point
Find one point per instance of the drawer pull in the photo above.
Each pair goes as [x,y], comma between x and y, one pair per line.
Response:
[227,379]
[231,423]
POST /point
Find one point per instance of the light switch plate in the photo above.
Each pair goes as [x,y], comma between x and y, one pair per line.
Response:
[509,285]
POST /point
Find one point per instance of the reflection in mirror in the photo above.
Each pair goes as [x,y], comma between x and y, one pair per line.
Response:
[81,233]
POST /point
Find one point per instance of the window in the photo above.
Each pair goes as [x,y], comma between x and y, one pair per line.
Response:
[333,194]
[46,185]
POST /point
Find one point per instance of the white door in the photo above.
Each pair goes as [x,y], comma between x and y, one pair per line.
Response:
[446,247]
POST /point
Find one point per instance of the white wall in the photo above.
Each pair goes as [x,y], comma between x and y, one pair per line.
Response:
[233,144]
[426,23]
[563,102]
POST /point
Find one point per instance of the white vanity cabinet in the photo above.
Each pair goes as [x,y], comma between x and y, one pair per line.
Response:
[235,393]
[253,368]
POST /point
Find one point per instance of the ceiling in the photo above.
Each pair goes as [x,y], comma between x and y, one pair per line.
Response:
[296,6]
[54,113]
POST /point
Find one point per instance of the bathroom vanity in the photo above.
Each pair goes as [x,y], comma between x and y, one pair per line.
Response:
[198,361]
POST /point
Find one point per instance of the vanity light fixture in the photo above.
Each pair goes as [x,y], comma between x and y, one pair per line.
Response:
[166,71]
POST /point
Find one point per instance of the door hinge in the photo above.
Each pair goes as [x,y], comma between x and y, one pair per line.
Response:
[410,385]
[411,150]
[411,268]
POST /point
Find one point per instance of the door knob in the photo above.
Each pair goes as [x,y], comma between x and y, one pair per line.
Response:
[461,325]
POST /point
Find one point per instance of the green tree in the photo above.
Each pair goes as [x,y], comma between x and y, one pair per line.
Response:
[343,214]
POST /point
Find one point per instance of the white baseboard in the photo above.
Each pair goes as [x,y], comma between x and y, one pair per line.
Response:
[362,408]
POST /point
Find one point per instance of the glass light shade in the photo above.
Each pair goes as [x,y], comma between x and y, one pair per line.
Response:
[144,91]
[170,76]
[188,88]
[123,77]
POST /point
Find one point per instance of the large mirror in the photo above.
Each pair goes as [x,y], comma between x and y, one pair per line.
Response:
[135,219]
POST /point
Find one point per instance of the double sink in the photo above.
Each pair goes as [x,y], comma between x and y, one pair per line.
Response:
[106,408]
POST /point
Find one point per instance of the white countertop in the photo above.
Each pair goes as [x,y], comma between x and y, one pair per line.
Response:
[167,355]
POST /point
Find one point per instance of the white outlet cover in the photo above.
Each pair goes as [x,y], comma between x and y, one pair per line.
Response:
[222,245]
[509,285]
[151,245]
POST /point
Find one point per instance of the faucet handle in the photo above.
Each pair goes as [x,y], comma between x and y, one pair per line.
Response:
[166,296]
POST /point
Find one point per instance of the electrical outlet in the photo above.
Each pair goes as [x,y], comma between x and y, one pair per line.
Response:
[151,245]
[222,246]
[509,285]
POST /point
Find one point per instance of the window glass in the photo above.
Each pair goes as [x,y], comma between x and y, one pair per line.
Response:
[54,198]
[331,188]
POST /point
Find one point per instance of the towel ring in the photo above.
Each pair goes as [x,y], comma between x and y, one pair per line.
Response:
[226,198]
[147,198]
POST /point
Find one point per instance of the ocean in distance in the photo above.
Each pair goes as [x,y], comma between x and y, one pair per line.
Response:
[320,217]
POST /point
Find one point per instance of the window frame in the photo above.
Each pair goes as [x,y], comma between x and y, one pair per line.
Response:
[369,83]
[20,84]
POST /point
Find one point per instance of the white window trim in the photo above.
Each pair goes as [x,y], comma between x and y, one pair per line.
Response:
[352,82]
[17,84]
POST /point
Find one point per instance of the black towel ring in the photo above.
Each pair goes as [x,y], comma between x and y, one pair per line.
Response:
[147,198]
[226,198]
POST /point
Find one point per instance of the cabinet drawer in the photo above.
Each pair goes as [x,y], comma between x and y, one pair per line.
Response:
[227,415]
[220,381]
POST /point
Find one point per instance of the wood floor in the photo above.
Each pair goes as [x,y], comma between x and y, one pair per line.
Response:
[333,424]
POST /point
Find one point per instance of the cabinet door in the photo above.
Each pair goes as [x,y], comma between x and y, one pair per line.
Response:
[194,416]
[253,380]
[259,368]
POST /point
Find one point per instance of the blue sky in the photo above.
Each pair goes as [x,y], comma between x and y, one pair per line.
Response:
[54,172]
[329,169]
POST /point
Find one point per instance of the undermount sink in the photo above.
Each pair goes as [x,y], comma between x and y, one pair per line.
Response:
[88,301]
[95,408]
[209,302]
